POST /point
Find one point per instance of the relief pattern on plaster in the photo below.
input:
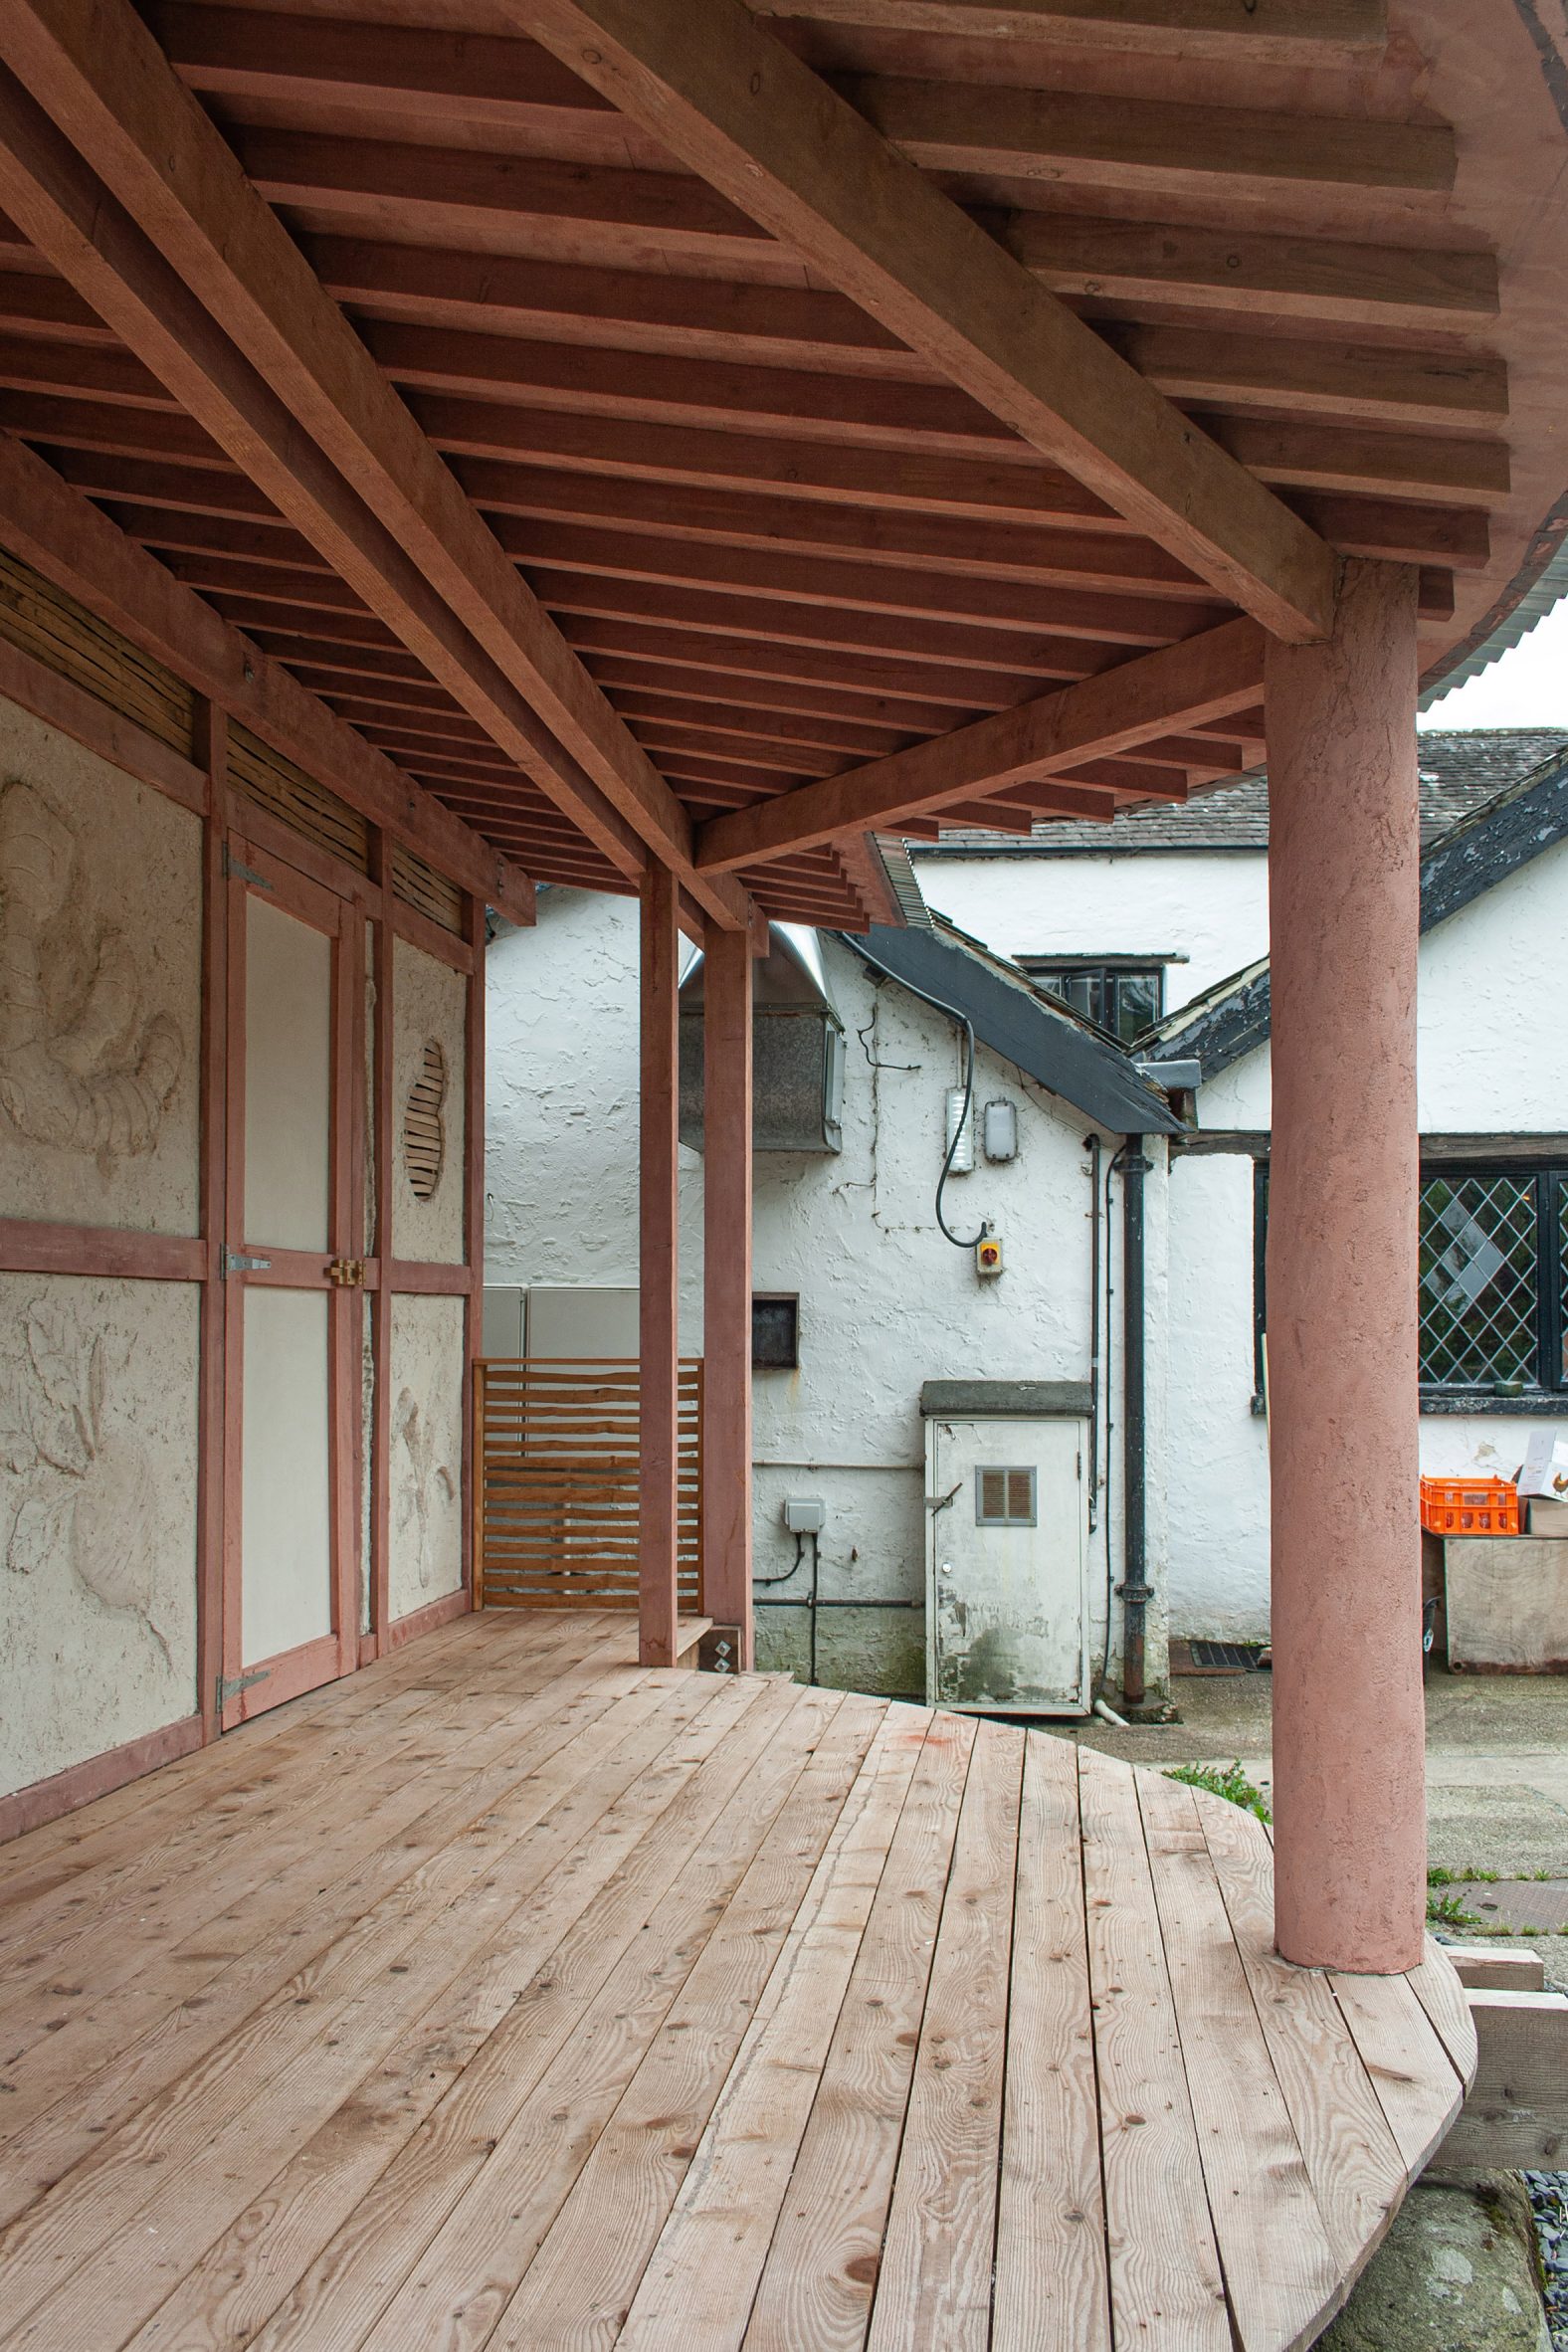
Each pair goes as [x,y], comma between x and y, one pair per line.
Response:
[81,1063]
[99,989]
[427,1450]
[98,1530]
[430,1005]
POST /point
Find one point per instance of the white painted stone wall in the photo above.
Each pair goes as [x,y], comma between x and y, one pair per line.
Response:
[1211,906]
[1492,1059]
[886,1302]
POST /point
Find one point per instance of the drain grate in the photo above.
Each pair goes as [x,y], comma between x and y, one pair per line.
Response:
[1239,1657]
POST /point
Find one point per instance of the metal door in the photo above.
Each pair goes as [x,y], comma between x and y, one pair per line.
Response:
[1007,1601]
[293,1303]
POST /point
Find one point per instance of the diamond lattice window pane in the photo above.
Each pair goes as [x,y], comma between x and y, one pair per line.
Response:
[1478,1307]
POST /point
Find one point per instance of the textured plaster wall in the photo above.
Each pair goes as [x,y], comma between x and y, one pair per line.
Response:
[886,1301]
[99,989]
[427,1450]
[1212,906]
[1215,1484]
[97,1516]
[1492,1058]
[429,1001]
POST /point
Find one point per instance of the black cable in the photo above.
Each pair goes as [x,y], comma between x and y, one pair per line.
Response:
[954,1014]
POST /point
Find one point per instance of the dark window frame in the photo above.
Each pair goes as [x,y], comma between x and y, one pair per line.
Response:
[1548,1386]
[777,1363]
[1105,976]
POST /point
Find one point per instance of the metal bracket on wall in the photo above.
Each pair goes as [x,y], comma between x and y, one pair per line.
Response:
[233,1261]
[231,1685]
[237,872]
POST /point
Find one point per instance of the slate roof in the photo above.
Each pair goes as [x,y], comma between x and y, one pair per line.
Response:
[1461,770]
[1077,1062]
[1468,859]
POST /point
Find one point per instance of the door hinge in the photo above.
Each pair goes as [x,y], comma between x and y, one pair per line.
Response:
[237,872]
[231,1685]
[346,1273]
[233,1261]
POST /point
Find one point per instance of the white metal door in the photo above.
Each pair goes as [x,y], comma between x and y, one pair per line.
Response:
[1007,1602]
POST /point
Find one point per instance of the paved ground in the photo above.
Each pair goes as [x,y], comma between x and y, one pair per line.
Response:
[1496,1765]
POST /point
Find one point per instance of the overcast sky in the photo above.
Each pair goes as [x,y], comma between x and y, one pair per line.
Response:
[1527,687]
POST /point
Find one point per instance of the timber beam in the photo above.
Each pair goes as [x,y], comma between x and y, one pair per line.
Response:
[756,124]
[64,536]
[1179,687]
[93,68]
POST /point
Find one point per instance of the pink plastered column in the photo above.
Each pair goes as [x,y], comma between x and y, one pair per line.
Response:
[726,1282]
[1344,915]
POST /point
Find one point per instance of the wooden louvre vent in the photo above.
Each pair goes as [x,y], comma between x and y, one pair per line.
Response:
[297,800]
[1005,1498]
[424,1130]
[42,620]
[556,1506]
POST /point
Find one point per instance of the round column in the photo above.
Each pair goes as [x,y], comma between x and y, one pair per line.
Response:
[1344,917]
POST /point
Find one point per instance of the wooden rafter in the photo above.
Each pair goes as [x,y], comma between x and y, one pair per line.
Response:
[66,538]
[1176,687]
[1287,31]
[760,126]
[99,72]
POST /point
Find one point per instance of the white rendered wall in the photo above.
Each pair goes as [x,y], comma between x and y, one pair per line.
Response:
[1212,906]
[886,1302]
[1493,1060]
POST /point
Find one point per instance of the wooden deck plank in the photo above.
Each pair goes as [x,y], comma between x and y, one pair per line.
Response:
[821,2269]
[286,2070]
[1282,2276]
[934,2284]
[325,2246]
[605,2005]
[1404,2062]
[1166,2281]
[1052,2290]
[701,2280]
[113,2055]
[1351,2156]
[1437,1987]
[585,2276]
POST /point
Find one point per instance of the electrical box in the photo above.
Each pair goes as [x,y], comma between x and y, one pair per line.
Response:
[988,1254]
[1007,1626]
[1000,1129]
[805,1514]
[960,1141]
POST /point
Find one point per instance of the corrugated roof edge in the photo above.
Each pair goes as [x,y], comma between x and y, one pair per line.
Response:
[1231,1019]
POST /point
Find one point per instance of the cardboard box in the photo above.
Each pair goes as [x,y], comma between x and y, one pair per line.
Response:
[1545,1469]
[1507,1604]
[1546,1517]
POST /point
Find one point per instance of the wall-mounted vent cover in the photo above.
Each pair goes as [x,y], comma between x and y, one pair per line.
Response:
[1004,1497]
[424,1132]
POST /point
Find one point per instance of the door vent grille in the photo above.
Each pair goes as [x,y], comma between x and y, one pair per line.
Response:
[1004,1497]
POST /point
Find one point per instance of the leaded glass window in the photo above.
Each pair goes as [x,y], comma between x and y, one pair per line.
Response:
[1491,1280]
[1481,1320]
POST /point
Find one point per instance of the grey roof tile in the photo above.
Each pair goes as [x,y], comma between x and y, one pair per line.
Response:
[1461,769]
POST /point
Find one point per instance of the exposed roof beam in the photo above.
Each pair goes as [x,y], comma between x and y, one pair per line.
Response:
[1175,687]
[64,536]
[1299,32]
[99,71]
[758,124]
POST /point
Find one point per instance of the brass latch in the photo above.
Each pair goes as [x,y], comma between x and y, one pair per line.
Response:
[347,1273]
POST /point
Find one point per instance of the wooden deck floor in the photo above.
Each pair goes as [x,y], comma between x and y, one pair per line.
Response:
[509,1996]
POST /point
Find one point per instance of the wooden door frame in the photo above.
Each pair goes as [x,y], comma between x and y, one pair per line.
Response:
[248,1689]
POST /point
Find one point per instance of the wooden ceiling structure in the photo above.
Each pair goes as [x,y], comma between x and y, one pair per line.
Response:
[668,432]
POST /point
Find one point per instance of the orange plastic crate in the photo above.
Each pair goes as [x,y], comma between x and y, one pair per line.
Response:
[1470,1506]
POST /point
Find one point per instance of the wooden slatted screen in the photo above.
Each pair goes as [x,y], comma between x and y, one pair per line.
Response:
[556,1494]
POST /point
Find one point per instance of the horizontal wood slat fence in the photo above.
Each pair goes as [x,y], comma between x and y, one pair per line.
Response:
[555,1505]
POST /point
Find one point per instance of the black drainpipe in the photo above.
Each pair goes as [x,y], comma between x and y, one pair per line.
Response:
[1136,1593]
